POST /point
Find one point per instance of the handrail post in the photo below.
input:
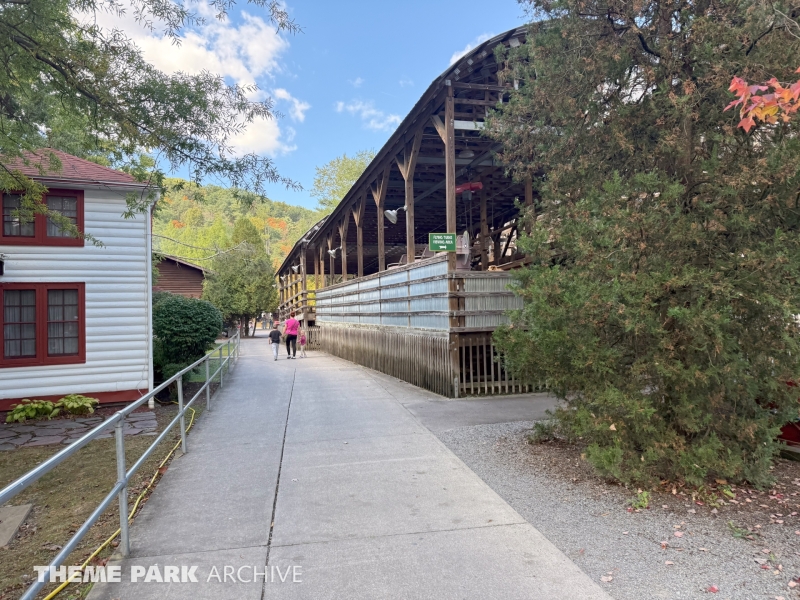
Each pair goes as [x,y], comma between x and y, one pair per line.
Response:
[124,542]
[220,365]
[183,416]
[208,385]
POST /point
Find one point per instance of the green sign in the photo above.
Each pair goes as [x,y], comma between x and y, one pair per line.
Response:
[442,242]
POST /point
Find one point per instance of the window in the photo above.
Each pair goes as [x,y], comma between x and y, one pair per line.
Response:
[42,324]
[43,231]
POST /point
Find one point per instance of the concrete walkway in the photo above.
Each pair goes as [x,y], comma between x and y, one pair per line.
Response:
[317,468]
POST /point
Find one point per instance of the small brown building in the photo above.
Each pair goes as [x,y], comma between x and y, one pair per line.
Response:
[179,277]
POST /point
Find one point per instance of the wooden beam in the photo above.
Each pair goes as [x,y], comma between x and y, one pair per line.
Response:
[508,239]
[379,195]
[322,265]
[407,167]
[331,257]
[358,217]
[450,162]
[469,101]
[481,86]
[440,129]
[343,236]
[316,269]
[484,231]
[303,283]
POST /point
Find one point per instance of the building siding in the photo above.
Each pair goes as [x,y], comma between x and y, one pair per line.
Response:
[117,304]
[179,279]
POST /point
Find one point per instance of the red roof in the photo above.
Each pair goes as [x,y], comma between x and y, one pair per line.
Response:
[72,169]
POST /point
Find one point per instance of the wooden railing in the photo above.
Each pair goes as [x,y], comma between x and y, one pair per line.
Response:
[422,360]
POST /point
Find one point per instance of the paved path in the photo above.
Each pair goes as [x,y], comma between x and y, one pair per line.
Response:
[369,503]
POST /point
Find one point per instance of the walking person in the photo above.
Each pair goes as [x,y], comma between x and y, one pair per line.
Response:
[275,340]
[302,343]
[263,320]
[290,329]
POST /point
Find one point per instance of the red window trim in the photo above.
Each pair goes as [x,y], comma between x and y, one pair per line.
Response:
[40,237]
[41,358]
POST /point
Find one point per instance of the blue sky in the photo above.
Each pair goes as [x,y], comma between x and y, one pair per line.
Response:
[344,83]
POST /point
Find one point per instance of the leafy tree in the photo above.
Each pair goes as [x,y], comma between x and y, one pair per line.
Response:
[195,222]
[183,328]
[67,83]
[245,231]
[334,179]
[660,304]
[242,285]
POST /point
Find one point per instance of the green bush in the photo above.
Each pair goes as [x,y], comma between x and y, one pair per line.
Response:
[661,298]
[183,329]
[76,404]
[31,409]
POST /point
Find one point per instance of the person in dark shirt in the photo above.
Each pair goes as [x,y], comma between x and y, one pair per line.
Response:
[275,340]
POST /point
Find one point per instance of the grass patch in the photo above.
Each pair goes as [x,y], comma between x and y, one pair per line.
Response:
[65,497]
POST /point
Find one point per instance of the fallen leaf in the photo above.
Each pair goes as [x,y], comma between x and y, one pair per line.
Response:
[669,562]
[765,550]
[664,545]
[613,427]
[713,589]
[792,584]
[721,481]
[678,534]
[665,506]
[703,549]
[606,578]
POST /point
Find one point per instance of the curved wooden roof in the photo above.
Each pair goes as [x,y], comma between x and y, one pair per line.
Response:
[476,89]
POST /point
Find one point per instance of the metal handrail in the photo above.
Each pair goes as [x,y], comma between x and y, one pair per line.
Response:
[120,489]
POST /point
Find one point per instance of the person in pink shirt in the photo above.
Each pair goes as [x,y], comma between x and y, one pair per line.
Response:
[290,329]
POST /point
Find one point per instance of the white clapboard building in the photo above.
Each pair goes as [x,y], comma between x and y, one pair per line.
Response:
[76,317]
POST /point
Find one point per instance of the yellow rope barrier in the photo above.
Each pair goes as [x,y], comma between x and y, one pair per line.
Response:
[102,546]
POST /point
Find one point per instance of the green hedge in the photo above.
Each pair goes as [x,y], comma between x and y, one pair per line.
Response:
[183,329]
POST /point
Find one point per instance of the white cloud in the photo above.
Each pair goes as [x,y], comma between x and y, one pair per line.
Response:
[406,82]
[374,119]
[263,136]
[247,53]
[478,40]
[356,83]
[297,109]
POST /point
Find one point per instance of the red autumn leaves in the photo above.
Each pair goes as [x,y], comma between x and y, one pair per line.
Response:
[767,102]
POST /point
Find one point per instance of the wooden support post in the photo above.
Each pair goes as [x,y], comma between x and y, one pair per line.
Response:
[331,258]
[316,269]
[343,235]
[322,266]
[303,282]
[497,249]
[484,232]
[450,160]
[407,167]
[379,195]
[358,217]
